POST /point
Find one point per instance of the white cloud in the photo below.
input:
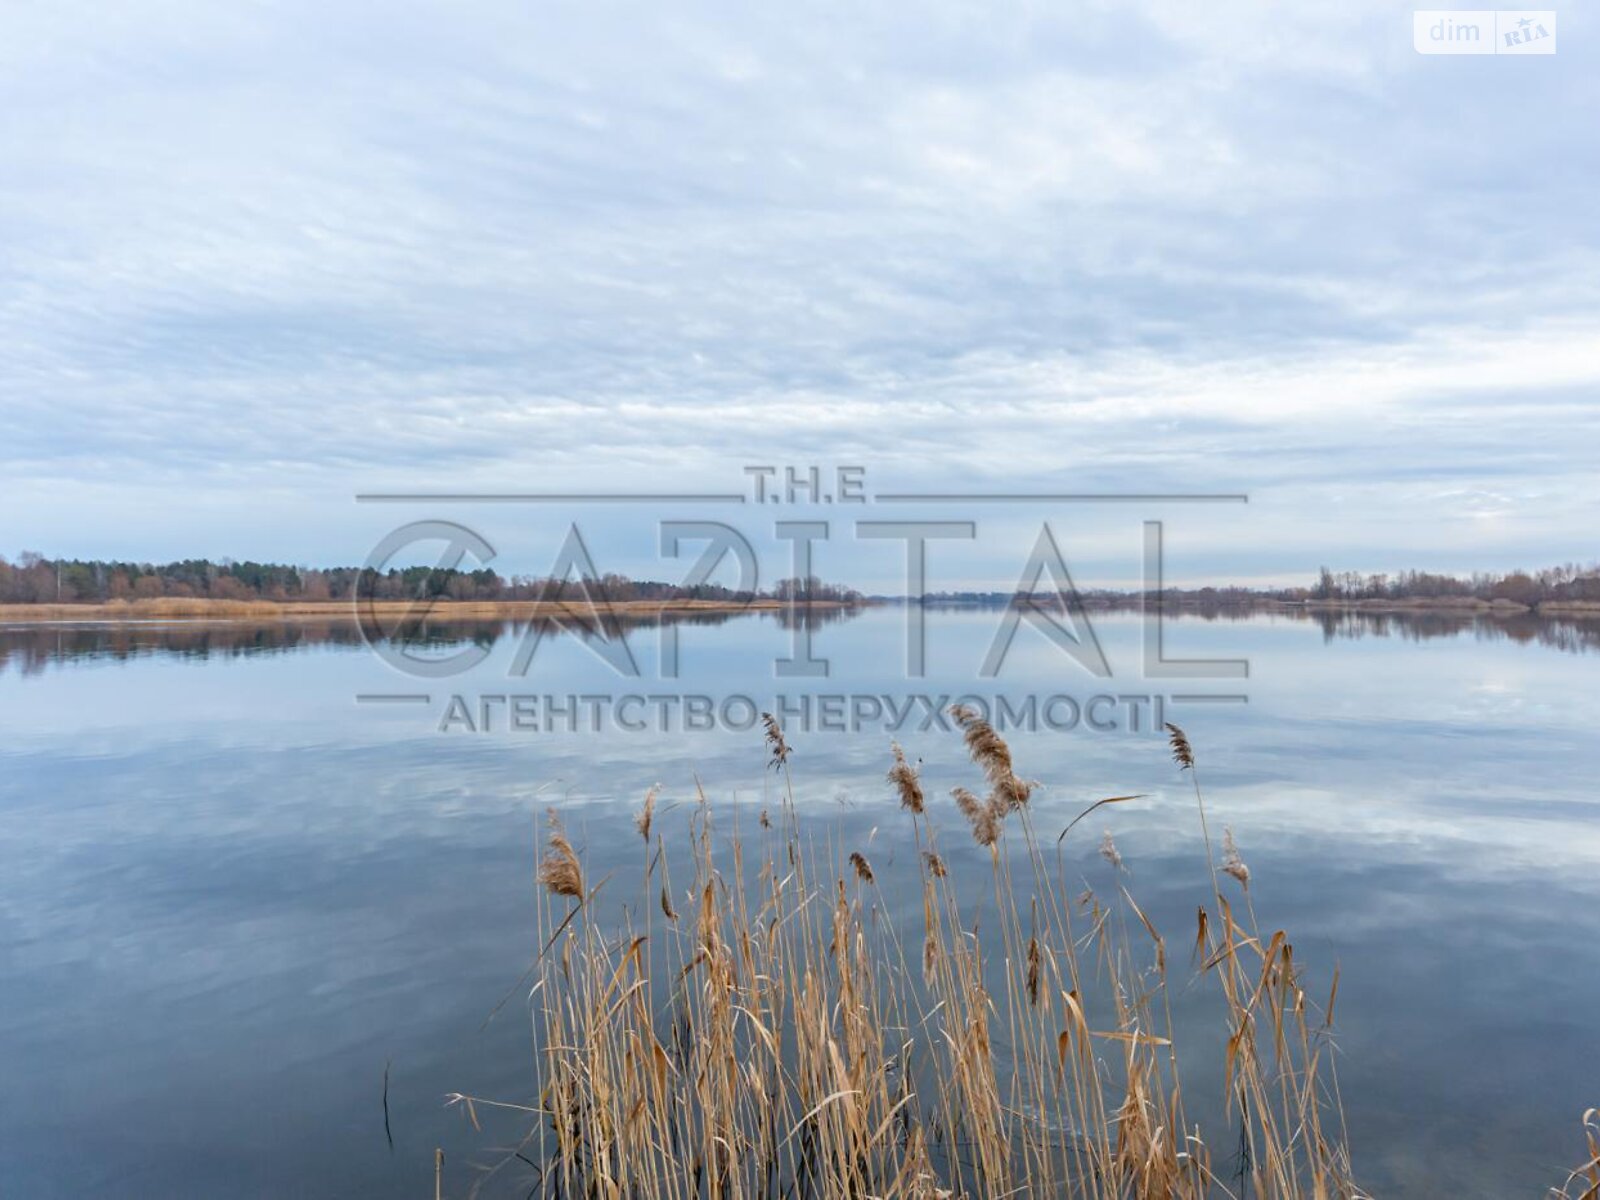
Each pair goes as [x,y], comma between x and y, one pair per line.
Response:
[280,257]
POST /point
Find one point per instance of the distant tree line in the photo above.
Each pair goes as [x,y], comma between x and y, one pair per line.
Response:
[1569,582]
[1564,583]
[34,579]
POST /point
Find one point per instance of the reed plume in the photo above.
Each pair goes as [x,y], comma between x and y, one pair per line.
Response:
[968,803]
[1109,852]
[1232,863]
[990,751]
[776,746]
[980,815]
[647,813]
[904,777]
[862,867]
[559,871]
[1182,752]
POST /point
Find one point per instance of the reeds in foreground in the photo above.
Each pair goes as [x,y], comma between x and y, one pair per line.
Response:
[1584,1182]
[772,1039]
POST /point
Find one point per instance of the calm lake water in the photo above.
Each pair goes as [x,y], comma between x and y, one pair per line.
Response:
[234,895]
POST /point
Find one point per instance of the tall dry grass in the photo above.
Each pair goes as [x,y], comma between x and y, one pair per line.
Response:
[1584,1182]
[754,1024]
[152,608]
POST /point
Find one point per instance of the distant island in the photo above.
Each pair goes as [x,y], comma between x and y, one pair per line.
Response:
[38,588]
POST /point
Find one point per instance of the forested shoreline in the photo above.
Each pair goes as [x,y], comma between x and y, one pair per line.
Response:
[35,579]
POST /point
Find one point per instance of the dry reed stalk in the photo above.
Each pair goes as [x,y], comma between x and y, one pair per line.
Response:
[772,1040]
[1587,1177]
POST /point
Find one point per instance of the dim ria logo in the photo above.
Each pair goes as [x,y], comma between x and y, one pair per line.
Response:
[1484,31]
[428,578]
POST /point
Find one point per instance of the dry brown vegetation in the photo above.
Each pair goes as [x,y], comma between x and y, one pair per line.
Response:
[1584,1182]
[160,608]
[759,1027]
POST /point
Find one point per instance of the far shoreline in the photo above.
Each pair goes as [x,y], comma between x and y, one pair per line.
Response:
[199,609]
[263,611]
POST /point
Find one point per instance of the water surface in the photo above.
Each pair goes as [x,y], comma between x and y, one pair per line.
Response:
[234,896]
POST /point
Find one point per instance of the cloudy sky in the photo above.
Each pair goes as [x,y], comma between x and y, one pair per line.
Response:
[260,258]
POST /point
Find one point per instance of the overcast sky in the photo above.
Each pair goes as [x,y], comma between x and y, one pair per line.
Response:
[258,258]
